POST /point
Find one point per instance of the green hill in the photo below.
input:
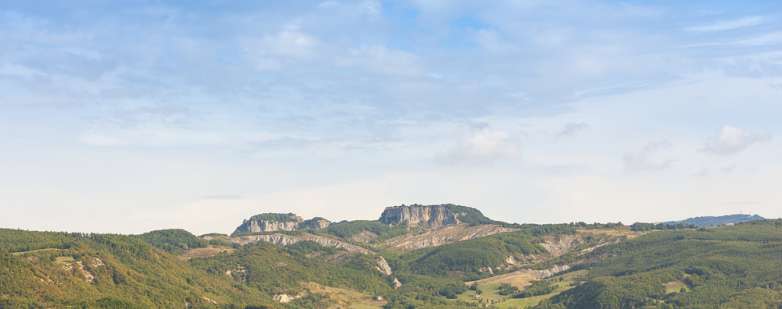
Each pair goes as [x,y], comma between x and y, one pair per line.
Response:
[54,270]
[173,240]
[468,258]
[712,221]
[727,267]
[606,266]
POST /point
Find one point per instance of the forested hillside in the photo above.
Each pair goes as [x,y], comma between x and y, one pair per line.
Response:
[572,265]
[53,270]
[729,267]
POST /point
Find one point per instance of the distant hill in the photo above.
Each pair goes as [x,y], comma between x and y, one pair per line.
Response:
[173,240]
[712,221]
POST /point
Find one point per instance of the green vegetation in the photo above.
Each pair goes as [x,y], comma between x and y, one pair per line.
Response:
[419,291]
[276,270]
[727,267]
[220,242]
[347,229]
[640,226]
[175,240]
[537,288]
[44,269]
[505,289]
[469,215]
[712,221]
[277,217]
[309,247]
[18,240]
[312,224]
[723,266]
[486,292]
[468,259]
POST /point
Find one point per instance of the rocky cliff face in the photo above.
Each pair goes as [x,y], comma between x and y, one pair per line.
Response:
[420,215]
[287,240]
[382,266]
[269,222]
[274,222]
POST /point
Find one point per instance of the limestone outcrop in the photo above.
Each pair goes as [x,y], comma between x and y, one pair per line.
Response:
[420,215]
[277,222]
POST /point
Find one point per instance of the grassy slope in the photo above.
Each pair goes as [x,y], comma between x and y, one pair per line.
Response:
[489,290]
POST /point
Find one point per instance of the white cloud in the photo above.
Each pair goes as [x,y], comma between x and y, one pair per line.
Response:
[381,59]
[291,43]
[647,158]
[484,144]
[726,25]
[733,140]
[272,51]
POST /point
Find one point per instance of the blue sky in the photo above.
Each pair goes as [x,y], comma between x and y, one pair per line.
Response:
[196,115]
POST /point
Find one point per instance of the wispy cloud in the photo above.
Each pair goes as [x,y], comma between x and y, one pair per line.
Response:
[483,144]
[733,140]
[762,39]
[648,158]
[726,25]
[272,51]
[572,128]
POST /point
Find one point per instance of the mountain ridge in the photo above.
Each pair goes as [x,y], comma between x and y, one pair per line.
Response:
[712,221]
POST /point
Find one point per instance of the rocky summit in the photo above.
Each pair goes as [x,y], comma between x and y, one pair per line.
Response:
[432,215]
[275,222]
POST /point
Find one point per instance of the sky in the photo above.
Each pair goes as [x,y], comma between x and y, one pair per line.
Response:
[129,116]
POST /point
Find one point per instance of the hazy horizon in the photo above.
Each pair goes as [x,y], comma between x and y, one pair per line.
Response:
[161,114]
[228,228]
